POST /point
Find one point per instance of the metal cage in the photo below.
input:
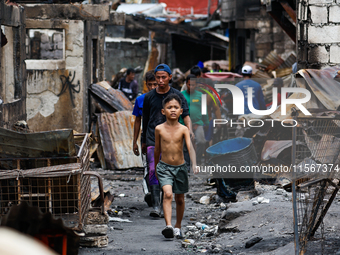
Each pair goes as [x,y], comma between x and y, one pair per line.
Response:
[58,185]
[315,159]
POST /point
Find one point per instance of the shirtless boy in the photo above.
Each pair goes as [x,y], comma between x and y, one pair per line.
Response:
[171,170]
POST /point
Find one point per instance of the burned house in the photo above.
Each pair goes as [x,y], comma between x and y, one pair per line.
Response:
[254,31]
[317,34]
[12,56]
[65,54]
[175,42]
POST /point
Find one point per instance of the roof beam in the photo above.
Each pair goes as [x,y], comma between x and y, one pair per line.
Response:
[277,13]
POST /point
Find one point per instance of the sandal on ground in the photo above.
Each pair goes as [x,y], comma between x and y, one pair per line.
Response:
[168,232]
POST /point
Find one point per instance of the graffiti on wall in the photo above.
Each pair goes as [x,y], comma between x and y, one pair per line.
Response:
[67,85]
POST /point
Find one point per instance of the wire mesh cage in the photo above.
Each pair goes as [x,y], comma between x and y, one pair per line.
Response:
[316,166]
[57,185]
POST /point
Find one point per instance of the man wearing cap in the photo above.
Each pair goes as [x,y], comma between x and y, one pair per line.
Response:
[152,116]
[257,95]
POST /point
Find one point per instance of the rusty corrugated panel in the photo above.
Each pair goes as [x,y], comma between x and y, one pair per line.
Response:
[116,135]
[110,99]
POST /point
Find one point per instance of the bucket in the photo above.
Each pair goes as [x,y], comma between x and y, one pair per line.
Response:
[235,152]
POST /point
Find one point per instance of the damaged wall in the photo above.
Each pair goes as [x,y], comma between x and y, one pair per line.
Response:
[270,36]
[55,95]
[12,66]
[58,88]
[318,33]
[124,52]
[253,33]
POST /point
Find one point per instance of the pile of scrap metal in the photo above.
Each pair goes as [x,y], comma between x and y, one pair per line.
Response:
[273,141]
[272,66]
[112,125]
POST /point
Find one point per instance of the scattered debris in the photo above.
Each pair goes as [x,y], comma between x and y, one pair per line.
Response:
[246,195]
[224,227]
[94,241]
[205,200]
[253,241]
[116,219]
[187,242]
[262,200]
[94,218]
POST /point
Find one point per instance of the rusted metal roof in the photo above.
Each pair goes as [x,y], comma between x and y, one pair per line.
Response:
[116,135]
[110,99]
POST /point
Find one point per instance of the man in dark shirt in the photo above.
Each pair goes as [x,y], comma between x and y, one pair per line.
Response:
[128,85]
[152,116]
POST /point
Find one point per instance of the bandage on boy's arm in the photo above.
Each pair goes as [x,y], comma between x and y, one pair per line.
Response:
[191,150]
[157,149]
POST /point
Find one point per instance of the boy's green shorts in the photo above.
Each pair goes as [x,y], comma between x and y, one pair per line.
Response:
[176,176]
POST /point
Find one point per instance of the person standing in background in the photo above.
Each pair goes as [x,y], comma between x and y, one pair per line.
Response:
[128,85]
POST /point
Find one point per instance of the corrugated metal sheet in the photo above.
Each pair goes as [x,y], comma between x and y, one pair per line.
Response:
[324,86]
[116,135]
[110,99]
[288,62]
[272,61]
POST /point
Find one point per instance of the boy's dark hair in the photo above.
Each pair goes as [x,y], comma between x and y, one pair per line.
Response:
[195,70]
[170,97]
[150,76]
[130,70]
[190,76]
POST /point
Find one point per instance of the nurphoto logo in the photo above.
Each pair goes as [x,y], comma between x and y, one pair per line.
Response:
[238,100]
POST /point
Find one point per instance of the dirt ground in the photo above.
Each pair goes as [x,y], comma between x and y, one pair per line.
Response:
[230,225]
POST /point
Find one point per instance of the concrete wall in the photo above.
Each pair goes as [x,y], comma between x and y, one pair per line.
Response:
[122,52]
[12,66]
[254,30]
[270,36]
[318,33]
[49,91]
[58,88]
